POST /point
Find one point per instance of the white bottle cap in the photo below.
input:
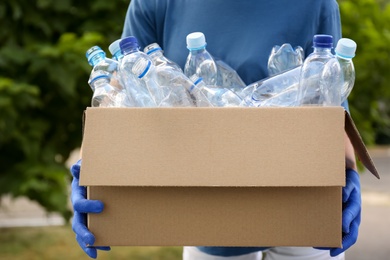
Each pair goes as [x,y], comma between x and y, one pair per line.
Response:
[346,48]
[114,47]
[195,41]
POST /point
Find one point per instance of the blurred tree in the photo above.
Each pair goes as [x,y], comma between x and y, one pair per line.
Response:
[44,90]
[368,23]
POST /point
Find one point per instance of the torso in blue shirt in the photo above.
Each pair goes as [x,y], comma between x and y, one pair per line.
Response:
[241,33]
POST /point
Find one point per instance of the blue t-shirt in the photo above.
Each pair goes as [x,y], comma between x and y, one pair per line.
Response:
[241,33]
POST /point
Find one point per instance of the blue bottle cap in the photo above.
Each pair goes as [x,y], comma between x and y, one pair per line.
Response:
[323,41]
[91,52]
[128,43]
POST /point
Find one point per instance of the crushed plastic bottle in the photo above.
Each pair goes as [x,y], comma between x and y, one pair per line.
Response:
[169,95]
[258,92]
[227,77]
[213,96]
[156,54]
[284,58]
[167,71]
[105,66]
[104,94]
[97,59]
[134,86]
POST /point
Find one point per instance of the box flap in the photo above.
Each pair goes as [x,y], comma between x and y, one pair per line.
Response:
[358,145]
[213,147]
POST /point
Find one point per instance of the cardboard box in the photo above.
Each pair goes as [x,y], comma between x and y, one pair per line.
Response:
[217,176]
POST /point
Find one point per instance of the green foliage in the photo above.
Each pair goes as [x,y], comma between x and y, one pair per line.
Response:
[57,242]
[368,23]
[44,90]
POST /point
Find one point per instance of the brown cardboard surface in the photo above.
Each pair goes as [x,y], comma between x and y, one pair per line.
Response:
[229,216]
[359,146]
[214,147]
[215,176]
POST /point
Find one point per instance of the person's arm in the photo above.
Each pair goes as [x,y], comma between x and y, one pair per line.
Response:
[351,196]
[330,20]
[351,214]
[141,23]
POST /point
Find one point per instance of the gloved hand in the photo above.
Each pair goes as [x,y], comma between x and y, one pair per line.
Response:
[351,212]
[81,207]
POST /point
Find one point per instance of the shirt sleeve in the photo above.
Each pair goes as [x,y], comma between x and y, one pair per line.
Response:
[330,20]
[140,22]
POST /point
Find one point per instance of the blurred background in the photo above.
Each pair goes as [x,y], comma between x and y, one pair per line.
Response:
[44,91]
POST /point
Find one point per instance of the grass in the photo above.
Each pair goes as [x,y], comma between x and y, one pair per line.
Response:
[58,242]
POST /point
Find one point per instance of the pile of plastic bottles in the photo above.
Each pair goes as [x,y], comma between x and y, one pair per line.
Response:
[135,78]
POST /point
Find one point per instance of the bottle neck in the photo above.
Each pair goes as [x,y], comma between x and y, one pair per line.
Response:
[158,54]
[96,59]
[197,50]
[129,50]
[118,55]
[344,62]
[148,71]
[322,50]
[199,83]
[343,58]
[99,83]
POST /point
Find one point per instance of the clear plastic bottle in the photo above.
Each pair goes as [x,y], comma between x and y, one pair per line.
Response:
[166,69]
[177,81]
[97,59]
[156,54]
[199,94]
[134,86]
[286,98]
[284,58]
[199,61]
[163,95]
[258,92]
[345,51]
[102,65]
[206,96]
[104,94]
[116,55]
[321,77]
[227,77]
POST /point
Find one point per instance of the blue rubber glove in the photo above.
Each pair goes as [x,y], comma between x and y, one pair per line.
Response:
[351,212]
[81,207]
